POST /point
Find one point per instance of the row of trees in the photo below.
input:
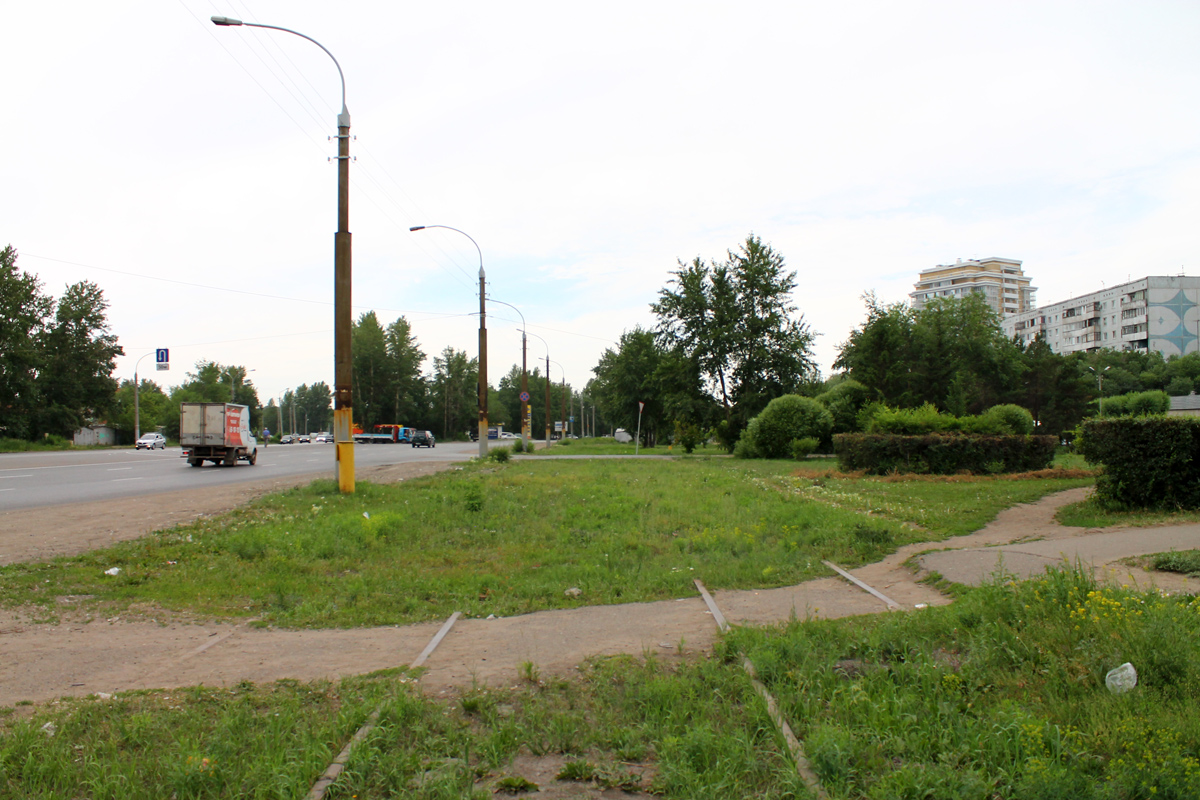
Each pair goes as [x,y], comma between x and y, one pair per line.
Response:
[953,355]
[56,356]
[728,341]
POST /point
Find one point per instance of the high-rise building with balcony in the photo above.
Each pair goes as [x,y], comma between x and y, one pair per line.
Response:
[1158,313]
[999,280]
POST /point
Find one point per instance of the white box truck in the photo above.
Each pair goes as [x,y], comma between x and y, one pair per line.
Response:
[216,432]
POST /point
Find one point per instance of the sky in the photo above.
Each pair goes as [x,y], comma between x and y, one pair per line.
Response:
[185,168]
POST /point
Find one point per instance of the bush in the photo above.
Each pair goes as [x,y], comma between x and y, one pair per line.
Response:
[943,453]
[845,402]
[784,420]
[802,448]
[910,421]
[1137,404]
[1014,419]
[519,446]
[500,454]
[1149,462]
[688,435]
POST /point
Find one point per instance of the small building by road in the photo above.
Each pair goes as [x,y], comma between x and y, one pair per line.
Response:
[90,435]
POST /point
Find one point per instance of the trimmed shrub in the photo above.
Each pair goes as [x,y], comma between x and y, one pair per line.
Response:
[1137,404]
[802,448]
[1014,419]
[1149,462]
[910,421]
[845,401]
[942,453]
[784,420]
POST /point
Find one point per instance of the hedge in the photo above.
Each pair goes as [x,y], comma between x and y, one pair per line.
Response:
[1149,462]
[942,453]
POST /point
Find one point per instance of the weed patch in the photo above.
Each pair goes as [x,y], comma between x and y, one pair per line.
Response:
[1000,694]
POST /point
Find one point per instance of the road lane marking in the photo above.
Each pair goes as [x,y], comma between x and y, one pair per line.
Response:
[8,490]
[121,480]
[6,477]
[119,469]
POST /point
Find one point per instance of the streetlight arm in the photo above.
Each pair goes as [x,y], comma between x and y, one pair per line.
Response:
[344,117]
[415,228]
[514,308]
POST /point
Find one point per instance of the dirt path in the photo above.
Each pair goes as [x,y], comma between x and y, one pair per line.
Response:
[39,662]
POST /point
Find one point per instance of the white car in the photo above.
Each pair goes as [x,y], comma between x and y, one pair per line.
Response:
[151,441]
[323,437]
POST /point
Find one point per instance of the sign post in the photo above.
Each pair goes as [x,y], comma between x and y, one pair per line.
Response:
[638,441]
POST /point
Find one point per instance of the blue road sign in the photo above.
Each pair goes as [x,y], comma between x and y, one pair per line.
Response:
[161,355]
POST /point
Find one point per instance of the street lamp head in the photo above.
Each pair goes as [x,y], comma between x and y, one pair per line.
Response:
[416,228]
[226,21]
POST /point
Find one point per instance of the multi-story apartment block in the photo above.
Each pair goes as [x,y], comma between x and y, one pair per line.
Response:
[999,280]
[1157,313]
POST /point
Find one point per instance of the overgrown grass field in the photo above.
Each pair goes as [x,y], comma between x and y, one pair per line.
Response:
[1001,694]
[694,730]
[512,538]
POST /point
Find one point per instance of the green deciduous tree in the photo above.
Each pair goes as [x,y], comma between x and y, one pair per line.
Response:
[23,312]
[735,319]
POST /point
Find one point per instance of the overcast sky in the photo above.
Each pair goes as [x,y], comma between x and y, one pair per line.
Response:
[184,167]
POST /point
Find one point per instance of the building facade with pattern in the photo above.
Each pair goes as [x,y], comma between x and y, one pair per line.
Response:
[1157,313]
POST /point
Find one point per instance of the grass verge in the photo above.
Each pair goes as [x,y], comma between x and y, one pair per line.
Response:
[1001,694]
[513,538]
[607,446]
[694,730]
[1092,513]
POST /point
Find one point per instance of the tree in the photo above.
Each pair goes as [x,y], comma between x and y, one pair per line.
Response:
[407,386]
[951,353]
[23,311]
[373,400]
[734,318]
[153,407]
[879,353]
[629,375]
[454,393]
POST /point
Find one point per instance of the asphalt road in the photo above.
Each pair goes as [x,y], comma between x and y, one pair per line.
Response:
[32,480]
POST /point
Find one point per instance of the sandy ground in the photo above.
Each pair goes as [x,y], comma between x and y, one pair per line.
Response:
[39,662]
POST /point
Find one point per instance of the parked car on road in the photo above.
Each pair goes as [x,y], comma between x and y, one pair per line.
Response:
[287,439]
[423,439]
[151,441]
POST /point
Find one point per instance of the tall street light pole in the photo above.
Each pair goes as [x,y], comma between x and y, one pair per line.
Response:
[342,322]
[547,389]
[483,387]
[563,433]
[137,411]
[1100,384]
[524,379]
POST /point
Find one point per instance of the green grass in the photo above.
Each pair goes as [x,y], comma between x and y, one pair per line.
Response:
[607,446]
[513,538]
[1001,694]
[1093,513]
[1185,562]
[696,730]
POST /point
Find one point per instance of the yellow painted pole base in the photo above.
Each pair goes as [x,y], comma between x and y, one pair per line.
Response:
[344,444]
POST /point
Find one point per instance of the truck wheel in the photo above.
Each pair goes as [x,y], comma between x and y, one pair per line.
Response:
[253,459]
[230,460]
[196,462]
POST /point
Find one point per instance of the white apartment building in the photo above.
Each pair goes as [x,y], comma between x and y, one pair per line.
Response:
[1157,313]
[999,280]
